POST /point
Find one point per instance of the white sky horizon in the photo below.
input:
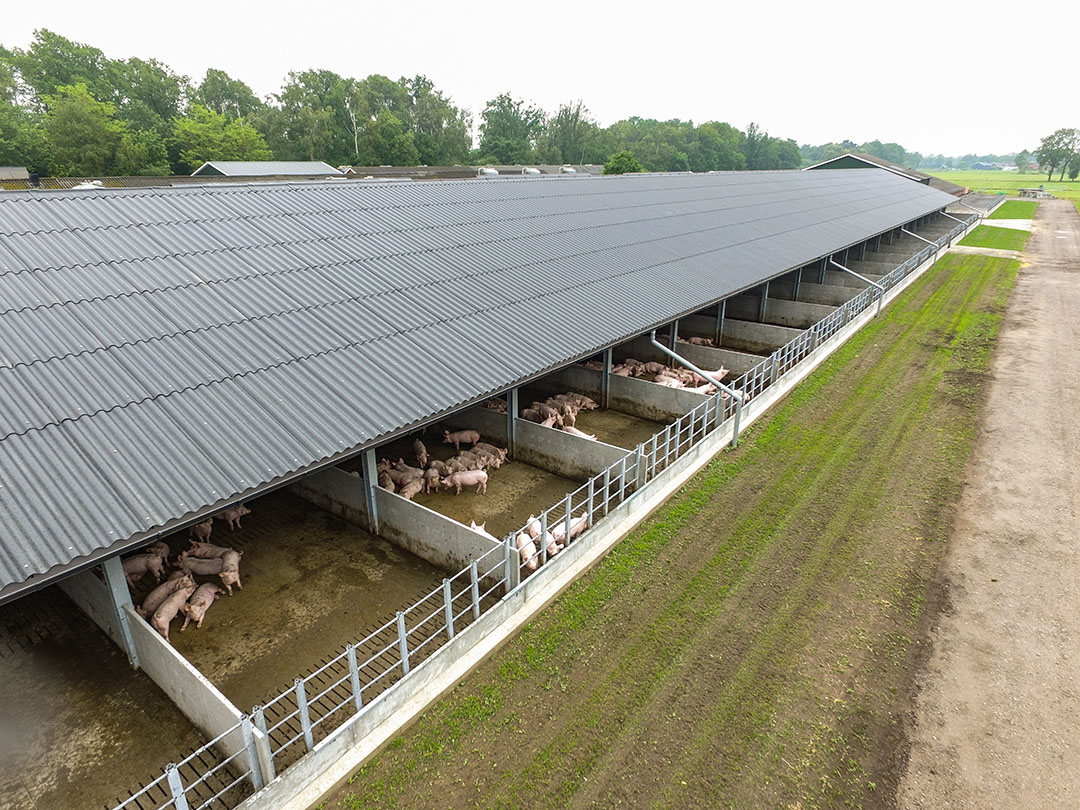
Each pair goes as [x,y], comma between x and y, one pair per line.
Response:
[852,72]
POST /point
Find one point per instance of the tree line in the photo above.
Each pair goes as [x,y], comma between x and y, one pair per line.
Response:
[69,110]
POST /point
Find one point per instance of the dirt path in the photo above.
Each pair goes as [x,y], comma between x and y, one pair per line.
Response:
[752,644]
[998,719]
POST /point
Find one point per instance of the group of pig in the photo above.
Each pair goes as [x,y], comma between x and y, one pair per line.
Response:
[180,593]
[529,541]
[560,411]
[466,469]
[668,376]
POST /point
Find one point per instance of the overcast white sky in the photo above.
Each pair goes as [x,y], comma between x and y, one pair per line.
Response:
[806,71]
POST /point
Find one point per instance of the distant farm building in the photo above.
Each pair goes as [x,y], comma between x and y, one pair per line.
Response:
[292,169]
[857,160]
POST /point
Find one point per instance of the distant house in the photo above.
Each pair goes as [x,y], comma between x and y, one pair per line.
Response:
[985,167]
[857,160]
[266,168]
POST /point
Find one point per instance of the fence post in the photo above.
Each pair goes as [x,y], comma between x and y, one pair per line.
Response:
[735,424]
[591,496]
[268,757]
[176,787]
[607,487]
[475,583]
[403,642]
[305,716]
[639,466]
[543,536]
[774,367]
[506,565]
[354,677]
[569,506]
[515,568]
[448,606]
[252,754]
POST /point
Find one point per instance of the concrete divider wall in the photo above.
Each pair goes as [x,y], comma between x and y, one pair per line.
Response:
[441,541]
[336,491]
[562,453]
[194,695]
[651,401]
[704,357]
[574,378]
[760,338]
[832,295]
[91,594]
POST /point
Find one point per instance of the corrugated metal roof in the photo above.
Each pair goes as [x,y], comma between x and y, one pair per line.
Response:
[164,350]
[266,168]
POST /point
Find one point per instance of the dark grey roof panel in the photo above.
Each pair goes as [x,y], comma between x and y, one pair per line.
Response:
[164,350]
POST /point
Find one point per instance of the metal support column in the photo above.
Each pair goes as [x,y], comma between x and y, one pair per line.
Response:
[605,381]
[511,425]
[721,311]
[673,334]
[877,243]
[862,251]
[764,301]
[821,271]
[795,285]
[119,595]
[371,480]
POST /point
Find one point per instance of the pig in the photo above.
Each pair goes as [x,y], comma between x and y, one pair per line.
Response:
[159,548]
[532,415]
[230,570]
[545,411]
[582,401]
[669,382]
[621,371]
[487,459]
[460,437]
[200,566]
[431,480]
[490,448]
[700,341]
[553,546]
[177,580]
[532,526]
[708,389]
[577,526]
[201,531]
[630,362]
[135,568]
[412,488]
[573,431]
[527,549]
[497,405]
[549,422]
[438,466]
[168,609]
[654,368]
[386,482]
[569,419]
[421,452]
[467,479]
[383,465]
[595,365]
[196,606]
[481,529]
[206,551]
[232,515]
[404,476]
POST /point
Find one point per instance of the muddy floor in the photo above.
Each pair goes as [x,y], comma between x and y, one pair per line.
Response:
[77,723]
[618,428]
[312,583]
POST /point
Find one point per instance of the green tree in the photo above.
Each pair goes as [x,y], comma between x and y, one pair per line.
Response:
[387,143]
[22,140]
[509,129]
[53,61]
[1023,160]
[1074,166]
[569,133]
[715,147]
[440,130]
[623,162]
[82,132]
[219,92]
[147,94]
[205,135]
[1056,149]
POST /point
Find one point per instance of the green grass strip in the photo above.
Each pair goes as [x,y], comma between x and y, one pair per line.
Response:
[1015,209]
[986,236]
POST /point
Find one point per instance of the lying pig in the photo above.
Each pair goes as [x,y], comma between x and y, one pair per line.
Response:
[421,452]
[230,570]
[654,368]
[195,608]
[200,566]
[527,549]
[700,341]
[573,431]
[621,371]
[467,478]
[206,551]
[489,448]
[460,437]
[412,488]
[386,482]
[532,415]
[577,526]
[201,531]
[135,568]
[168,609]
[233,514]
[480,529]
[584,402]
[669,382]
[154,599]
[596,365]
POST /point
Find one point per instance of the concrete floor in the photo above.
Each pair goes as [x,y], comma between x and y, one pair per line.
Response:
[618,428]
[77,723]
[312,583]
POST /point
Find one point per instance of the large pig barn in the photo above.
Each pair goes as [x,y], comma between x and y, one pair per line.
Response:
[412,411]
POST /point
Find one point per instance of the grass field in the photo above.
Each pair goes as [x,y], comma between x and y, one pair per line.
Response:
[1015,209]
[754,643]
[986,236]
[1010,183]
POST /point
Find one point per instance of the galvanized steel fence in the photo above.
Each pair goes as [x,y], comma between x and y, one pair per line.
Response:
[292,723]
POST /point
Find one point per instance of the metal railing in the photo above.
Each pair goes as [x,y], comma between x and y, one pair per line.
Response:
[293,722]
